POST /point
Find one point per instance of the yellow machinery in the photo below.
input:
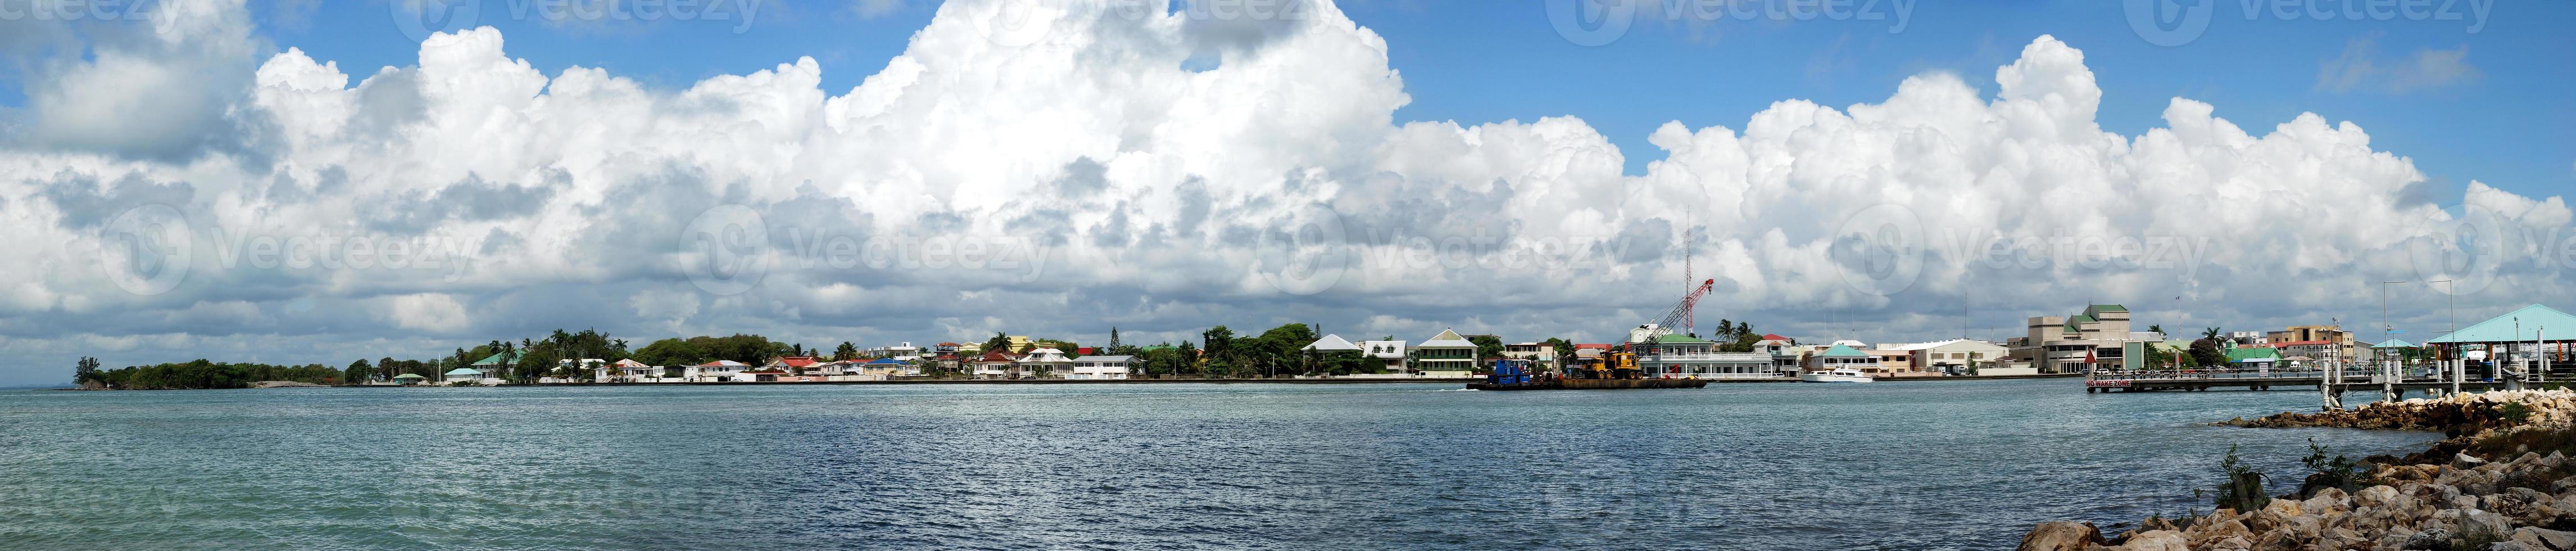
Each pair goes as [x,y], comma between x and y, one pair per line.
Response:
[1619,364]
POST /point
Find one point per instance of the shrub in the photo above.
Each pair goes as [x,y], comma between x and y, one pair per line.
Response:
[2243,489]
[2337,472]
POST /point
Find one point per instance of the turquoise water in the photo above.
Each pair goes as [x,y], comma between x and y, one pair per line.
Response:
[1934,465]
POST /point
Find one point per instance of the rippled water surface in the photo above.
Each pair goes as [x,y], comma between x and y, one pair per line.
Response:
[1930,465]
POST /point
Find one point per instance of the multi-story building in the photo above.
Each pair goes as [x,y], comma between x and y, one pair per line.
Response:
[2247,338]
[1543,354]
[1445,354]
[1676,356]
[903,351]
[2073,344]
[1954,356]
[2305,337]
[1392,353]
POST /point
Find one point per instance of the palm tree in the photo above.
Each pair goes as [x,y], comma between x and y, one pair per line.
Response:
[2210,333]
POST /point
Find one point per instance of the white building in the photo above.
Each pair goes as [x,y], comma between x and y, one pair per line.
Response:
[1100,367]
[902,351]
[1685,356]
[628,371]
[571,370]
[1445,355]
[1953,356]
[1046,362]
[1537,352]
[719,371]
[1390,353]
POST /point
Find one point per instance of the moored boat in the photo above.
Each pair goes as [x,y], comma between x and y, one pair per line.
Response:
[1836,376]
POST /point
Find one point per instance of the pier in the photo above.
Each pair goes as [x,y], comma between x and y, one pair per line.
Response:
[2332,382]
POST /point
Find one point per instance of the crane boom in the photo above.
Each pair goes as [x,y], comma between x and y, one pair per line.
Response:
[1681,315]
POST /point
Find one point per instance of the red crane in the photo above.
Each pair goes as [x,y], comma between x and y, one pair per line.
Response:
[1680,316]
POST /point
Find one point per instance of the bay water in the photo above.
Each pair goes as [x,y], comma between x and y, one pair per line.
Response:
[1913,465]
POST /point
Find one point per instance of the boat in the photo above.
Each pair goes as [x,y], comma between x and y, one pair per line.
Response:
[1620,373]
[1844,375]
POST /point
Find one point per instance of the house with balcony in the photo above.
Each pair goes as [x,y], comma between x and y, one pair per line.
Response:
[1685,356]
[1540,353]
[719,371]
[1954,356]
[994,364]
[1390,355]
[1445,355]
[1045,363]
[1098,368]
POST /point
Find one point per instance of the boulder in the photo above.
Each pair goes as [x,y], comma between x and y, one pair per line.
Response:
[2436,539]
[2157,540]
[2061,536]
[2544,538]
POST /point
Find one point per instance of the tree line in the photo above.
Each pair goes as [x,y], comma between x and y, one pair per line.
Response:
[198,374]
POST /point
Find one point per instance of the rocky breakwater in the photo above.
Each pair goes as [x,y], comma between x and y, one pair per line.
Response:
[2502,481]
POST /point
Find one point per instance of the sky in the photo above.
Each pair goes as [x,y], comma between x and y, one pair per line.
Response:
[295,181]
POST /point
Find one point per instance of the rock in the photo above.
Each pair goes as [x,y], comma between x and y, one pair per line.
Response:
[2203,534]
[2429,540]
[2545,538]
[2284,507]
[2158,540]
[2465,461]
[2475,523]
[2061,536]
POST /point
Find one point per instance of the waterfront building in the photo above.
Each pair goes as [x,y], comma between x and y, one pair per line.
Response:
[1897,361]
[569,369]
[1389,354]
[2246,338]
[1844,357]
[1101,367]
[1332,343]
[1445,355]
[994,365]
[2098,336]
[901,351]
[2312,351]
[719,371]
[631,371]
[889,367]
[1678,356]
[496,364]
[2253,357]
[2532,339]
[2306,337]
[1046,362]
[1954,356]
[791,364]
[1543,354]
[471,376]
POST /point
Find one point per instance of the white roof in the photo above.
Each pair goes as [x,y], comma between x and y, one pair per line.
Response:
[1448,338]
[1938,344]
[1332,343]
[1392,349]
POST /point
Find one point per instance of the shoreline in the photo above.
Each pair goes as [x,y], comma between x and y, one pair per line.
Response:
[2499,480]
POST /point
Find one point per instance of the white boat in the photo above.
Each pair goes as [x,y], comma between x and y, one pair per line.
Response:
[1836,376]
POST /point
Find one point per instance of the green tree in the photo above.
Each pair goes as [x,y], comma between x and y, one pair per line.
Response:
[1002,341]
[1564,348]
[85,371]
[2210,333]
[2206,352]
[1487,346]
[846,352]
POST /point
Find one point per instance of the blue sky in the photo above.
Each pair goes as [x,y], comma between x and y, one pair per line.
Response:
[1156,182]
[2507,124]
